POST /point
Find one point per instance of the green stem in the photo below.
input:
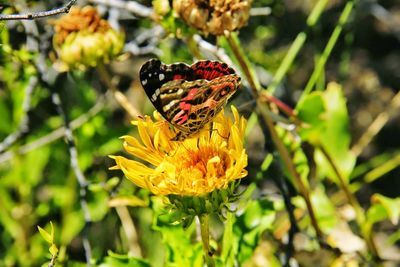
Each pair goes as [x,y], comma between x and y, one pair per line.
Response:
[296,46]
[264,110]
[328,48]
[244,63]
[360,213]
[193,47]
[205,237]
[287,160]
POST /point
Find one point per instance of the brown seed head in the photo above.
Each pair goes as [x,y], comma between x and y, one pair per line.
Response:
[214,16]
[79,19]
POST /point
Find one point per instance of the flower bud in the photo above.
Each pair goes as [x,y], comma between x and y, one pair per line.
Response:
[82,39]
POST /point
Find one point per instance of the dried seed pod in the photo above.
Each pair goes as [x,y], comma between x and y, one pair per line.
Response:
[214,16]
[82,39]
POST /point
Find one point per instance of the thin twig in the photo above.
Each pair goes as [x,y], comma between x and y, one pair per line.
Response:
[376,126]
[294,228]
[53,260]
[260,11]
[130,230]
[150,38]
[218,52]
[83,183]
[23,124]
[131,6]
[244,64]
[119,96]
[56,134]
[38,15]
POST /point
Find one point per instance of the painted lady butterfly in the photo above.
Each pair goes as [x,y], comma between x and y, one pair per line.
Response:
[188,97]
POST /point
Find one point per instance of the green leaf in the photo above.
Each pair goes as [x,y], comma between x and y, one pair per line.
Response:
[327,125]
[117,260]
[248,228]
[390,205]
[53,249]
[324,209]
[5,122]
[228,243]
[376,213]
[46,236]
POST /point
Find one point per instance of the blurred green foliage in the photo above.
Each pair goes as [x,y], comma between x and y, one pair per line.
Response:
[38,186]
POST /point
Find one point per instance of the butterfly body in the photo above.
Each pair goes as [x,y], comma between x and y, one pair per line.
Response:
[188,96]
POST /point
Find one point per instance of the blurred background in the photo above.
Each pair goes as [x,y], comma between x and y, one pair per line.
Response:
[37,183]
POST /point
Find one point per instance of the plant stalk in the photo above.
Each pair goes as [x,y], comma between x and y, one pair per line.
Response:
[283,152]
[360,213]
[205,237]
[118,95]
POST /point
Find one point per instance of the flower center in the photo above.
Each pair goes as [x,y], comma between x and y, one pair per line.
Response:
[200,160]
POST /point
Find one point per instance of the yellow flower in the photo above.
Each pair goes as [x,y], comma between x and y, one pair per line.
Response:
[193,167]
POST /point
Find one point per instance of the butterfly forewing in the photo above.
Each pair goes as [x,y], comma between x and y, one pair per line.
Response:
[153,75]
[188,97]
[210,70]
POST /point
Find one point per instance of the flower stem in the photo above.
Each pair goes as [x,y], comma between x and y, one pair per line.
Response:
[360,213]
[288,161]
[244,62]
[205,237]
[283,152]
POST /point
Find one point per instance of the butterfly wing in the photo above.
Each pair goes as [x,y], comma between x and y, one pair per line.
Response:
[153,75]
[190,105]
[188,97]
[209,70]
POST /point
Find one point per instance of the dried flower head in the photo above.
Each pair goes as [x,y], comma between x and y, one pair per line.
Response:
[82,38]
[214,16]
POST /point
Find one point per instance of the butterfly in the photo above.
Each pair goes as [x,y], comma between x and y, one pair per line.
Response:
[188,96]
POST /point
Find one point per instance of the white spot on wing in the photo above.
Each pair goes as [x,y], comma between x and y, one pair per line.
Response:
[180,91]
[144,82]
[170,105]
[161,76]
[155,95]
